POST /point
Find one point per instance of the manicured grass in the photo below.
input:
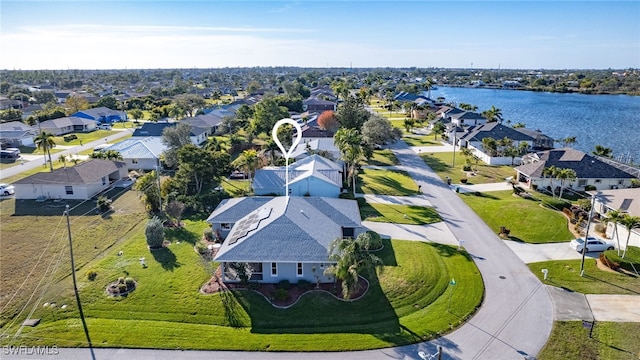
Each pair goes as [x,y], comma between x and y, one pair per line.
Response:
[236,188]
[408,303]
[441,164]
[384,157]
[386,182]
[527,220]
[566,274]
[85,137]
[31,230]
[415,215]
[610,340]
[421,140]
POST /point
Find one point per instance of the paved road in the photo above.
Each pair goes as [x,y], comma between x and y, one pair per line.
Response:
[514,321]
[38,161]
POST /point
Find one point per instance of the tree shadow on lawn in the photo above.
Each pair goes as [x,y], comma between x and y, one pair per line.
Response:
[481,195]
[232,309]
[394,184]
[612,284]
[166,258]
[180,234]
[449,251]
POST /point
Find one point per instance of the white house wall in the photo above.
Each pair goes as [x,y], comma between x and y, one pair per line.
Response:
[634,240]
[600,184]
[56,191]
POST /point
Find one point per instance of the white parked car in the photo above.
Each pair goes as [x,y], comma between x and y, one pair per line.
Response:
[6,189]
[593,244]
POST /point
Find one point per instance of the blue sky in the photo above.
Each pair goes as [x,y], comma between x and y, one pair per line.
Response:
[205,34]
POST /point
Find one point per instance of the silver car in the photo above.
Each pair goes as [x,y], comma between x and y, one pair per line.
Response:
[593,244]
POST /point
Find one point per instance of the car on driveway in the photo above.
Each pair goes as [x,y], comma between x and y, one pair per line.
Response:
[593,244]
[6,190]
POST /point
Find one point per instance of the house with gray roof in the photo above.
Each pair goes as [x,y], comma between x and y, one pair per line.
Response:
[66,125]
[79,182]
[311,176]
[314,104]
[467,118]
[17,133]
[209,122]
[140,153]
[288,238]
[626,201]
[198,135]
[590,171]
[229,211]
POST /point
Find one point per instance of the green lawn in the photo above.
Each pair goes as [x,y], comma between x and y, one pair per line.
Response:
[441,164]
[610,340]
[421,140]
[384,157]
[408,303]
[236,188]
[527,220]
[386,182]
[415,215]
[85,137]
[566,274]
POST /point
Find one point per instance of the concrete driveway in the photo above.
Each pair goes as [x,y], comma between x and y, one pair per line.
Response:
[529,253]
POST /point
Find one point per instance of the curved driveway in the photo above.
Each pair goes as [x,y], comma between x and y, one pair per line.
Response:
[514,321]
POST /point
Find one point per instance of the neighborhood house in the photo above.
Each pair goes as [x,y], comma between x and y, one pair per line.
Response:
[285,238]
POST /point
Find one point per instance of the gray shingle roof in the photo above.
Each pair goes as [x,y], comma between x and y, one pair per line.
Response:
[88,172]
[234,209]
[297,230]
[585,165]
[496,131]
[314,165]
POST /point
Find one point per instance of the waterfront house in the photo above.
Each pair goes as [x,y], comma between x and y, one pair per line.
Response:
[590,171]
[287,238]
[474,136]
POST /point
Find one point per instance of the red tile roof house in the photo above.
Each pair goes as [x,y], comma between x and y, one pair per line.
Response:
[80,182]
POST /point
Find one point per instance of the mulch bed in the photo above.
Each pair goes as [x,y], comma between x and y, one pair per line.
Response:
[268,290]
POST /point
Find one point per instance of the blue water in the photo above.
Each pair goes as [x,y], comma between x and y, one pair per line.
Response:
[609,120]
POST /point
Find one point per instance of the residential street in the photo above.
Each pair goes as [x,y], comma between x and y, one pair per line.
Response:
[517,313]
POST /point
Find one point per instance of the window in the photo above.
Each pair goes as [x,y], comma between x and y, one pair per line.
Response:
[582,182]
[322,266]
[134,161]
[104,180]
[69,190]
[299,270]
[225,226]
[274,269]
[598,181]
[347,232]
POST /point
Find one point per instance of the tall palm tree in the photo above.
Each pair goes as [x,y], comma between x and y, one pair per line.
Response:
[490,146]
[564,175]
[270,146]
[494,114]
[351,259]
[44,141]
[614,216]
[551,172]
[428,84]
[630,222]
[348,142]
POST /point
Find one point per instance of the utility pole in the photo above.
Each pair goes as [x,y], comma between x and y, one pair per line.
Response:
[453,163]
[75,284]
[158,182]
[586,234]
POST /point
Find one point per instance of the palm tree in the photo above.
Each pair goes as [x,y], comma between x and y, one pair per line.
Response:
[468,107]
[348,142]
[564,175]
[351,259]
[568,141]
[494,114]
[248,161]
[603,151]
[213,144]
[551,172]
[270,146]
[490,146]
[428,84]
[630,222]
[614,216]
[523,147]
[44,141]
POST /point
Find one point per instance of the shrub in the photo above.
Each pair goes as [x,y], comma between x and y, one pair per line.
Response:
[589,188]
[464,180]
[534,187]
[122,288]
[103,204]
[630,261]
[607,262]
[208,234]
[281,294]
[243,270]
[201,248]
[466,168]
[304,285]
[154,233]
[129,282]
[121,280]
[284,284]
[371,240]
[253,285]
[91,275]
